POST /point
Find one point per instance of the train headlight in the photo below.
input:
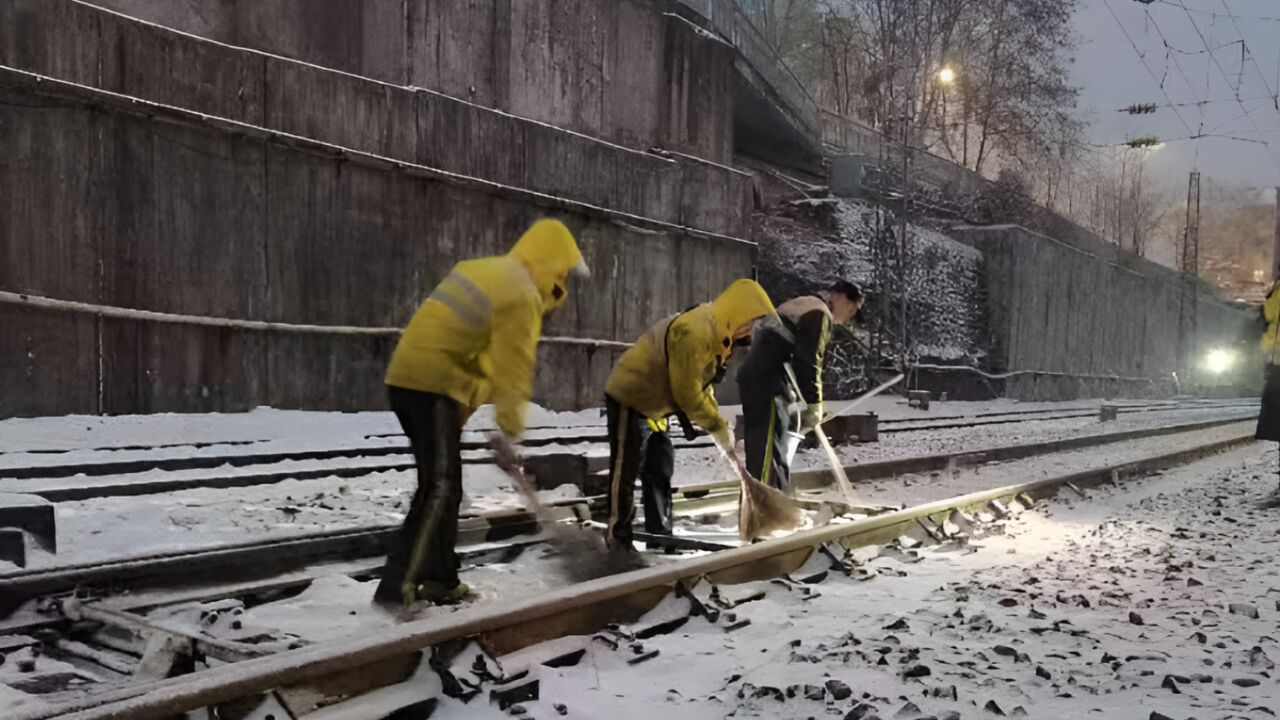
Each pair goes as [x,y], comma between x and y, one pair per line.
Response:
[1219,361]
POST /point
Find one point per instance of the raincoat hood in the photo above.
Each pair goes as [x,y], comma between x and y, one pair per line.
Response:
[740,303]
[549,252]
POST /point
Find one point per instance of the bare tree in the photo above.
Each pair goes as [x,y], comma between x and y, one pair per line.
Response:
[878,61]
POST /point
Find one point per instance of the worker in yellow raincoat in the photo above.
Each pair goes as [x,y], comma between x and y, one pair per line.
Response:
[472,342]
[670,371]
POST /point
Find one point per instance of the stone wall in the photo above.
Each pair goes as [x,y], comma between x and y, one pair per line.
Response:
[83,44]
[1058,309]
[114,202]
[601,67]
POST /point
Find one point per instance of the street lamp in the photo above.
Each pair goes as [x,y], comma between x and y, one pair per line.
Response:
[946,76]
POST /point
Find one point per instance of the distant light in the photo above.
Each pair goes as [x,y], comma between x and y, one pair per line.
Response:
[946,76]
[1219,361]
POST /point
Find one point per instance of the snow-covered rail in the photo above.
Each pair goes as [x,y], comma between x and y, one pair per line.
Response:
[581,607]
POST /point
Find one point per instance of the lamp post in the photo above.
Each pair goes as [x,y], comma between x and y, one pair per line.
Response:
[946,77]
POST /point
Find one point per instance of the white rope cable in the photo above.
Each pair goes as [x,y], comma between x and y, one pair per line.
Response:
[54,304]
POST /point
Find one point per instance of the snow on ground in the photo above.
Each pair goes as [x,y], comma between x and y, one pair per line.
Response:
[85,432]
[116,527]
[336,606]
[1156,599]
[60,435]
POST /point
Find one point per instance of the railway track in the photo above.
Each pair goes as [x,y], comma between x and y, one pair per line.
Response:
[130,589]
[59,482]
[582,608]
[277,555]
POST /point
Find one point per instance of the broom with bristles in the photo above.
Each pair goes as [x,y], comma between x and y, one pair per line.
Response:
[582,554]
[762,510]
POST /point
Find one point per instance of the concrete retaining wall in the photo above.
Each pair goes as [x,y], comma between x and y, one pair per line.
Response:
[1059,309]
[84,44]
[594,66]
[106,202]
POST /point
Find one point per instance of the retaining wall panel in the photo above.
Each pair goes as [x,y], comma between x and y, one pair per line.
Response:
[369,116]
[342,240]
[341,109]
[192,219]
[571,377]
[698,91]
[161,367]
[469,140]
[632,63]
[213,19]
[147,61]
[365,38]
[1058,309]
[48,363]
[204,253]
[573,169]
[715,198]
[317,371]
[49,223]
[59,39]
[453,47]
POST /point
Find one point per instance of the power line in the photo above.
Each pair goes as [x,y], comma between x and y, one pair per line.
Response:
[1214,58]
[1194,103]
[1218,15]
[1177,65]
[1152,140]
[1143,60]
[1275,101]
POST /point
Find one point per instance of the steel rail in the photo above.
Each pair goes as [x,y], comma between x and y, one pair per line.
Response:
[119,467]
[284,554]
[932,425]
[256,676]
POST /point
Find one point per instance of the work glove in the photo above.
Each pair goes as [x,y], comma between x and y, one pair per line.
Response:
[811,417]
[690,432]
[504,452]
[723,439]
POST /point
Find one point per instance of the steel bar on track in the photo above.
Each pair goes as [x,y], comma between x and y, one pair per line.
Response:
[293,552]
[69,490]
[252,677]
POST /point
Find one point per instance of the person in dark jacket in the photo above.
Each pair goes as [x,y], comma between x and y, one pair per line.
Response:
[784,370]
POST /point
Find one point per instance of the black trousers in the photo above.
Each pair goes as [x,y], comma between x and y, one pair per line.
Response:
[635,450]
[1269,413]
[423,554]
[764,391]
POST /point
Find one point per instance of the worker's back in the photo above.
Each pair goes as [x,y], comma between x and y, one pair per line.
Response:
[445,347]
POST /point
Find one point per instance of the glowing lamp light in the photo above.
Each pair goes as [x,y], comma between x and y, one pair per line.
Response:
[1218,361]
[946,76]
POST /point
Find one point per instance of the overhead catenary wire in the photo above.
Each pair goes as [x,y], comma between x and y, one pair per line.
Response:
[1248,113]
[1195,103]
[1143,60]
[1275,100]
[1218,14]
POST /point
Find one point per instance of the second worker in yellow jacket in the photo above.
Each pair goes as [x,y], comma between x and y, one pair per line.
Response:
[670,371]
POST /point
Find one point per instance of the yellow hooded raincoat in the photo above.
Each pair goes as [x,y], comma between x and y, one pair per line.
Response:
[671,365]
[1271,312]
[476,337]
